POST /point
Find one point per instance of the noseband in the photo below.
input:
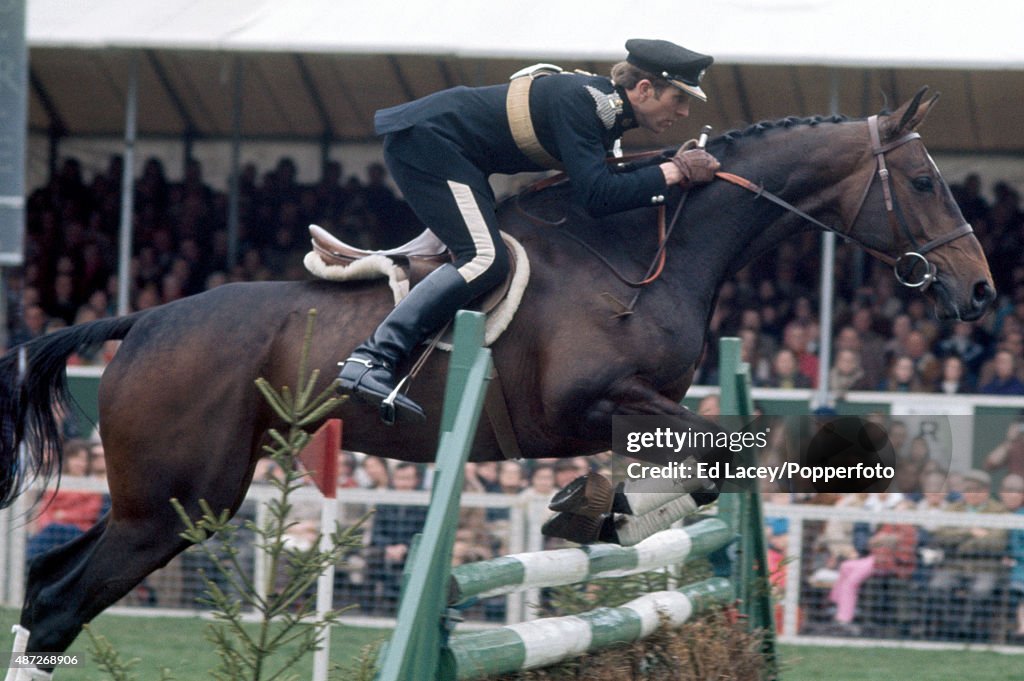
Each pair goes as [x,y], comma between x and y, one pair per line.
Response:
[906,267]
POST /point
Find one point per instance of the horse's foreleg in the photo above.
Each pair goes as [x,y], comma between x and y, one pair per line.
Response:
[640,507]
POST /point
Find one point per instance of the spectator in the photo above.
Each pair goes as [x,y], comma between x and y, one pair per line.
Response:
[847,373]
[390,536]
[511,477]
[891,559]
[1005,381]
[347,470]
[66,513]
[908,478]
[926,365]
[872,345]
[795,337]
[786,371]
[971,565]
[896,346]
[953,379]
[836,540]
[903,377]
[373,473]
[33,325]
[1011,493]
[542,483]
[486,473]
[1009,453]
[753,352]
[511,480]
[919,452]
[567,470]
[962,344]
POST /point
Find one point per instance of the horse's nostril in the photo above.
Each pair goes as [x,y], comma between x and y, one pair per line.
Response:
[983,294]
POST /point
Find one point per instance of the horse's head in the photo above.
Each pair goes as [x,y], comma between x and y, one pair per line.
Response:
[904,213]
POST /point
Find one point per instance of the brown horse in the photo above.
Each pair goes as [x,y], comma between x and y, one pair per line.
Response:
[180,416]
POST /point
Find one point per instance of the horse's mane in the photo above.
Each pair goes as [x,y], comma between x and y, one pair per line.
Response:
[765,126]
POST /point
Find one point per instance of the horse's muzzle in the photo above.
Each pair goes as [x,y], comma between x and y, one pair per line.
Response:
[949,306]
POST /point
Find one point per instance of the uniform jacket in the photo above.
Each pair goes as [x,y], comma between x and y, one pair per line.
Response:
[464,132]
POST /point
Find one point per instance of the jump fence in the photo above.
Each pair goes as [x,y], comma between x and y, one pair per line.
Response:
[421,648]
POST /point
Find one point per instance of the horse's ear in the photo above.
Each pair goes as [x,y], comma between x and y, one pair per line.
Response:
[909,116]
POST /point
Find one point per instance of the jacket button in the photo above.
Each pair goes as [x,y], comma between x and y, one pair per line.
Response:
[657,198]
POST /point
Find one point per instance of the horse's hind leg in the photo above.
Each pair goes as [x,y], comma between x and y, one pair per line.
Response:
[71,585]
[142,532]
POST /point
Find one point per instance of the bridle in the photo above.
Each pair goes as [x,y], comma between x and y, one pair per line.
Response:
[905,265]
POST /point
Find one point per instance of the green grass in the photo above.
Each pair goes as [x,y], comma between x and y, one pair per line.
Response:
[814,663]
[179,644]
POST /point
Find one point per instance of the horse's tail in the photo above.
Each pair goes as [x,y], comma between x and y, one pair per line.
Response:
[31,395]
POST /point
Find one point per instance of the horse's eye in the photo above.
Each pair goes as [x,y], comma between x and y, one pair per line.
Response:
[923,184]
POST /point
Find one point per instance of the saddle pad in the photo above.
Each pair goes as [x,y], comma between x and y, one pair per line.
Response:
[377,265]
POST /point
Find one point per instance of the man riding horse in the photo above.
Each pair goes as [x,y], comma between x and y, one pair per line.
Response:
[441,149]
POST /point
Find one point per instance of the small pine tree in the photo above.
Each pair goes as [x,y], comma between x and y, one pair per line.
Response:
[286,626]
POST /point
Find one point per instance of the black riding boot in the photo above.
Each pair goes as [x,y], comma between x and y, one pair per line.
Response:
[369,373]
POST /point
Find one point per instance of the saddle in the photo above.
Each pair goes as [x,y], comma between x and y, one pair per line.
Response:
[408,264]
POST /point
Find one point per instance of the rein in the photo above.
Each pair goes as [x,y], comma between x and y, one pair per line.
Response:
[907,262]
[664,232]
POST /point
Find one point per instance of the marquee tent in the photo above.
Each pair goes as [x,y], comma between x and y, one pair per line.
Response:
[317,69]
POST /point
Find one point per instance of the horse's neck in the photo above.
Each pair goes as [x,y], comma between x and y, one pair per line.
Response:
[802,165]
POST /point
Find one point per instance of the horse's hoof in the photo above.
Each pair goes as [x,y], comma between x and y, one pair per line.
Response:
[580,529]
[588,495]
[704,498]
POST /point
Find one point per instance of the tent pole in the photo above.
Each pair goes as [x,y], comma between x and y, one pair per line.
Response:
[828,252]
[236,155]
[127,187]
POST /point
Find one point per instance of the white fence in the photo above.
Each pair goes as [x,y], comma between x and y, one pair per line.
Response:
[803,607]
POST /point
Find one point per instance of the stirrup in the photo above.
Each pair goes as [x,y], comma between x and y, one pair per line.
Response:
[388,410]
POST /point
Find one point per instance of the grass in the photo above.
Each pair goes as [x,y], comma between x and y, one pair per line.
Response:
[179,644]
[815,663]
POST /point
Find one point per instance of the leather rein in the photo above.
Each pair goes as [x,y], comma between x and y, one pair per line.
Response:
[903,265]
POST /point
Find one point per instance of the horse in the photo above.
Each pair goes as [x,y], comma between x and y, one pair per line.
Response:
[180,417]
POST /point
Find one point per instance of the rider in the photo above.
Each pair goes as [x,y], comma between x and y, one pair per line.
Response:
[441,149]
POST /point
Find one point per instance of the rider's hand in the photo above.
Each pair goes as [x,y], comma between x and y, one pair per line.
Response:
[695,165]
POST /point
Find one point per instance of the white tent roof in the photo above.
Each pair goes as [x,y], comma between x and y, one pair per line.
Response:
[318,68]
[940,33]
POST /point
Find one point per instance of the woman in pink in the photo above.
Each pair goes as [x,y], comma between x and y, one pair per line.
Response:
[892,552]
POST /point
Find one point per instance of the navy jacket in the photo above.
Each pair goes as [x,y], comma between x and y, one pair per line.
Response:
[464,132]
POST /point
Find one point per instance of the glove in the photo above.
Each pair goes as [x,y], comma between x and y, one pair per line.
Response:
[696,165]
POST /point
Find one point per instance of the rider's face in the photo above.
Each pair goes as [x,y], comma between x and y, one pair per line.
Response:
[657,112]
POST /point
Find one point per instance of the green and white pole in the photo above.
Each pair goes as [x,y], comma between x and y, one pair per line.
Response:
[556,567]
[543,642]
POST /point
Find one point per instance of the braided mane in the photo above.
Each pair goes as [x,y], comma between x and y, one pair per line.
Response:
[788,122]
